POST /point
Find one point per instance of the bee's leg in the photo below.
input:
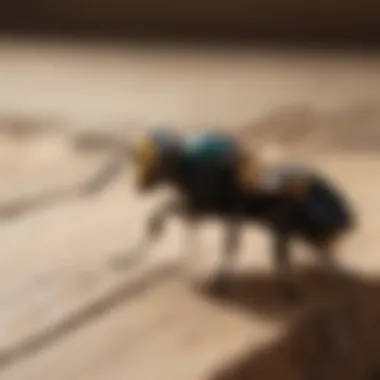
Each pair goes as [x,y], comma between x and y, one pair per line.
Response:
[326,254]
[281,254]
[189,249]
[152,232]
[327,259]
[230,250]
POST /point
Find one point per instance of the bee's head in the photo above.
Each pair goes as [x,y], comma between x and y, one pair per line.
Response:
[156,156]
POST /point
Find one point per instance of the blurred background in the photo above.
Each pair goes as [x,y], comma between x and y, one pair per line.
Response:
[294,80]
[342,22]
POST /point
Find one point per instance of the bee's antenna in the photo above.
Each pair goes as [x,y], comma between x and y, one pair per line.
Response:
[121,154]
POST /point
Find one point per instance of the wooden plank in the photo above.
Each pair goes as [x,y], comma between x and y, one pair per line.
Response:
[157,335]
[65,313]
[130,85]
[79,281]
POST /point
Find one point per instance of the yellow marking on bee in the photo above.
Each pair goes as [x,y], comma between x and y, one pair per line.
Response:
[297,188]
[333,238]
[336,238]
[247,172]
[145,153]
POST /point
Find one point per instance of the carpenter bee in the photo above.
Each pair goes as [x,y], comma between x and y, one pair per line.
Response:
[214,176]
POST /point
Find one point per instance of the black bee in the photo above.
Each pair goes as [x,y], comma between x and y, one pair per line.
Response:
[215,177]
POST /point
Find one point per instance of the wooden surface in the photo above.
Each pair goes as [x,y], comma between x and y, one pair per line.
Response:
[66,312]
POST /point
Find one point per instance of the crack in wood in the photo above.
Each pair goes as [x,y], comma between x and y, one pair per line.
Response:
[82,317]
